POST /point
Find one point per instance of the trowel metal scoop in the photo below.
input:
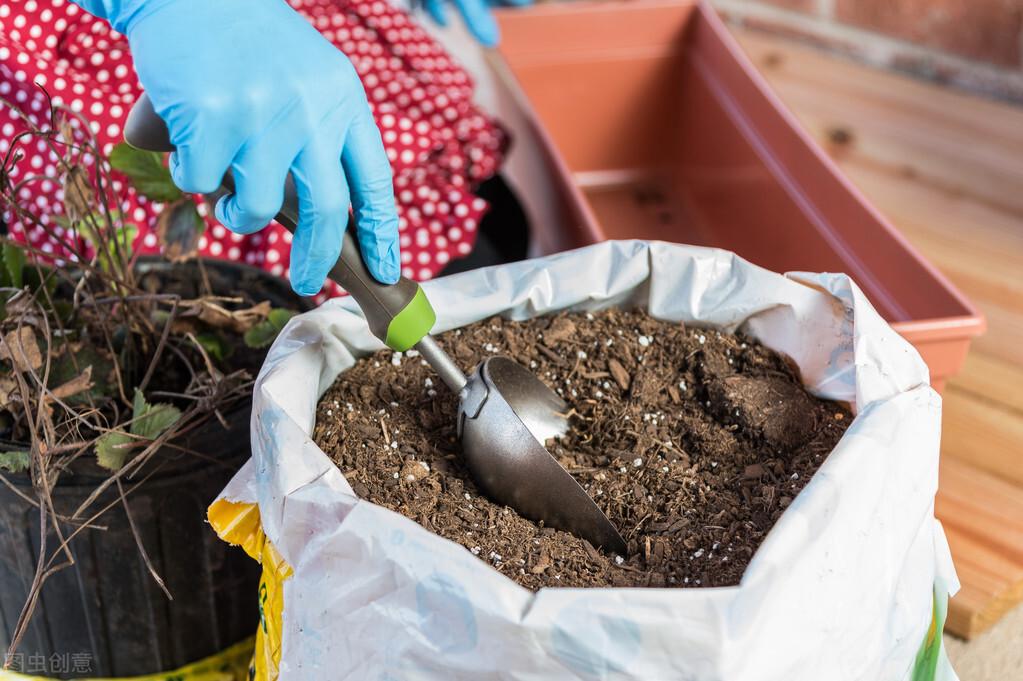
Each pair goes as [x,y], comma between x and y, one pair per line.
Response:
[506,414]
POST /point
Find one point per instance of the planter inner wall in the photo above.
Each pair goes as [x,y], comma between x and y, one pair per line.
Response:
[664,130]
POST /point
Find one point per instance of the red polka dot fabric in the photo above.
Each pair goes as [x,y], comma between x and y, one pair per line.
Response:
[439,144]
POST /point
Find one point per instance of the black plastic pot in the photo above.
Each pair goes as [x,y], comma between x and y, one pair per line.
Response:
[105,615]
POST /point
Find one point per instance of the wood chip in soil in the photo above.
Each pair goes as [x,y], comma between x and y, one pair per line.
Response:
[693,442]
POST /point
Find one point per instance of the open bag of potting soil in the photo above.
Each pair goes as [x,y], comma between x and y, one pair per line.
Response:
[850,584]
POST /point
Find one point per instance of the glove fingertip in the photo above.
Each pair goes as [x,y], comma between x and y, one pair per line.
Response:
[385,270]
[307,278]
[378,240]
[220,211]
[480,21]
[229,213]
[487,32]
[174,166]
[305,287]
[437,13]
[310,265]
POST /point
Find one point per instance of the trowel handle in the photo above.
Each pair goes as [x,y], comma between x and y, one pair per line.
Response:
[398,314]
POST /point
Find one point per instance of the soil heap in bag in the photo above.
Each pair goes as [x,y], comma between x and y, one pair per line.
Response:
[693,442]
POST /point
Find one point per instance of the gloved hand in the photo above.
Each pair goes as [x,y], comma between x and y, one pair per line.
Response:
[250,85]
[476,15]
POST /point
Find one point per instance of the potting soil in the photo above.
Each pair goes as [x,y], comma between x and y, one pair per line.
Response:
[693,442]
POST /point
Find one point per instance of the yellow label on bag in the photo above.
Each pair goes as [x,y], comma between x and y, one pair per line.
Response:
[239,523]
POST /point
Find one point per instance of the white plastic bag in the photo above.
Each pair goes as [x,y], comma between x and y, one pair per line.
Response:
[849,585]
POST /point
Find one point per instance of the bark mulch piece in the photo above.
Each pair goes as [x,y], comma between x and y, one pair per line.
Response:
[692,441]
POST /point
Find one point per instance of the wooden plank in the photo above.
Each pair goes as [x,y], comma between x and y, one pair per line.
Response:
[985,375]
[983,519]
[943,137]
[947,169]
[983,433]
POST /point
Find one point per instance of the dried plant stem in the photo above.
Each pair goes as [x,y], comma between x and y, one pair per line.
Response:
[138,542]
[159,348]
[112,328]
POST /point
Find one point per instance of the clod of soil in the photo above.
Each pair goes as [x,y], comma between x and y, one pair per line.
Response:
[692,441]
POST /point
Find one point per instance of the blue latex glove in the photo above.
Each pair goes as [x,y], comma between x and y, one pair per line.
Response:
[250,85]
[476,15]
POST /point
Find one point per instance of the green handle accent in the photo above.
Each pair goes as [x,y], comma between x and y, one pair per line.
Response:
[398,314]
[410,325]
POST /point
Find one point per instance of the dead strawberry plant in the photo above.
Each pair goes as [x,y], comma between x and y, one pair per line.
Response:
[110,363]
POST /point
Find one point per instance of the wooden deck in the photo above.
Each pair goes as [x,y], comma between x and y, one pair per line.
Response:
[947,169]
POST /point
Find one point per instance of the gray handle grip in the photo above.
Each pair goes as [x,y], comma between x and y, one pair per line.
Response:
[398,314]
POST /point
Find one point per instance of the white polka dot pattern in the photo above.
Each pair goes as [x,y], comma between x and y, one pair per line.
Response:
[439,144]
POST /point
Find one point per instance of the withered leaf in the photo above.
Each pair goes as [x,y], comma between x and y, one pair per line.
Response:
[80,383]
[79,196]
[70,360]
[8,390]
[21,349]
[178,228]
[238,321]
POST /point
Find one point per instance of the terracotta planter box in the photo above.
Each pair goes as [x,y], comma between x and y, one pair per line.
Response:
[659,127]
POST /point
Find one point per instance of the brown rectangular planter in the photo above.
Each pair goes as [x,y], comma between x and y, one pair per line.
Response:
[659,127]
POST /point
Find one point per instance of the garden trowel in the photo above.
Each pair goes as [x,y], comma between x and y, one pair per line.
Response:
[506,415]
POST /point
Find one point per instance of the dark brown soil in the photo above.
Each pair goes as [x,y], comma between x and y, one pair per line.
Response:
[692,441]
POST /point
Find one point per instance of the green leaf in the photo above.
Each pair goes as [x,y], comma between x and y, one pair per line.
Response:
[114,251]
[64,310]
[261,335]
[63,221]
[157,419]
[280,317]
[264,333]
[146,171]
[138,404]
[15,462]
[150,420]
[159,317]
[124,237]
[14,264]
[113,448]
[35,277]
[214,346]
